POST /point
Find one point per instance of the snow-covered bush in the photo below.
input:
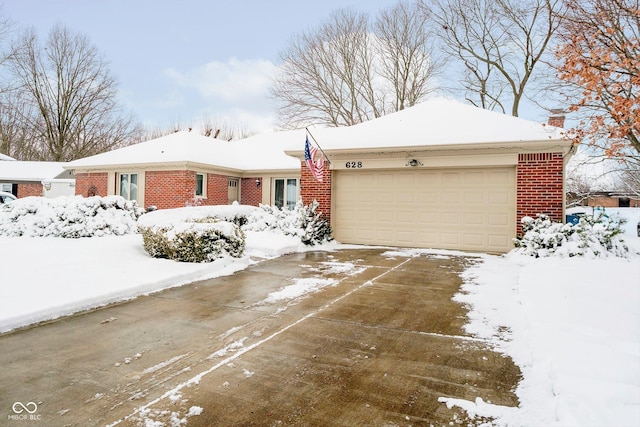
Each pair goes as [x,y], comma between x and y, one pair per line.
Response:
[72,217]
[197,234]
[200,241]
[304,222]
[595,235]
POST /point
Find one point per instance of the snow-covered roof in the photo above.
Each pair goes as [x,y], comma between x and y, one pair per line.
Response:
[30,171]
[190,147]
[5,157]
[438,121]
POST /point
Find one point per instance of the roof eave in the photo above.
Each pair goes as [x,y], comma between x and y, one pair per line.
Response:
[555,144]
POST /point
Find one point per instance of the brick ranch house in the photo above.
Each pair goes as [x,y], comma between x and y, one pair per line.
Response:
[441,174]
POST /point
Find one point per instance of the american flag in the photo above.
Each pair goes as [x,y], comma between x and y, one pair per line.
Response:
[316,166]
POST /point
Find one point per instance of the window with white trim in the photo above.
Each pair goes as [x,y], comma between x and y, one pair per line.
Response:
[200,185]
[128,185]
[285,192]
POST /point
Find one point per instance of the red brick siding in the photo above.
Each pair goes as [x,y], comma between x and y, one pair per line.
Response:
[169,189]
[176,189]
[92,184]
[311,189]
[217,190]
[250,193]
[29,189]
[539,186]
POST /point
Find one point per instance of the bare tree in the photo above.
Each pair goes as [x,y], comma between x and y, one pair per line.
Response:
[500,43]
[69,97]
[345,72]
[207,126]
[407,56]
[630,182]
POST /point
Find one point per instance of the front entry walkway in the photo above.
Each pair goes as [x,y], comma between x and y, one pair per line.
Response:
[378,343]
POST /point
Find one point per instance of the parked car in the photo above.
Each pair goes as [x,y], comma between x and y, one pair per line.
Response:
[6,197]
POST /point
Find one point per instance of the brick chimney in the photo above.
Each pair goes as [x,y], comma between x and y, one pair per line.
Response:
[556,118]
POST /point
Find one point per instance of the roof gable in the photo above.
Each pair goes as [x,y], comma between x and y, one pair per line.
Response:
[438,121]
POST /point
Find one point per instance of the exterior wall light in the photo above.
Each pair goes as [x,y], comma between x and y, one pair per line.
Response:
[414,163]
[257,183]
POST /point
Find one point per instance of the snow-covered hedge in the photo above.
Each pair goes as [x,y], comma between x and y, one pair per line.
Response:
[204,233]
[72,217]
[200,241]
[595,235]
[303,222]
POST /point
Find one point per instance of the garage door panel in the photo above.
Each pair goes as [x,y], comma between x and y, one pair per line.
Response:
[499,219]
[499,197]
[467,209]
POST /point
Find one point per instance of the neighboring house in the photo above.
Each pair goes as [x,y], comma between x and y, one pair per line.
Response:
[186,169]
[28,178]
[441,174]
[606,199]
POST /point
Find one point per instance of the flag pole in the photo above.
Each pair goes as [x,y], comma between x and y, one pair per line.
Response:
[314,140]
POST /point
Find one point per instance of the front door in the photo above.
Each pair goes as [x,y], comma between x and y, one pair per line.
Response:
[233,190]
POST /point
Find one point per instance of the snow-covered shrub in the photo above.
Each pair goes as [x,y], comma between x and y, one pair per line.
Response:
[315,228]
[595,235]
[304,222]
[200,241]
[72,217]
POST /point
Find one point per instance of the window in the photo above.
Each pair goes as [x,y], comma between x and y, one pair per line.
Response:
[200,184]
[128,185]
[5,187]
[285,193]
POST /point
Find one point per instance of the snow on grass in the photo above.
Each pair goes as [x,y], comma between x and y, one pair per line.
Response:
[572,325]
[47,277]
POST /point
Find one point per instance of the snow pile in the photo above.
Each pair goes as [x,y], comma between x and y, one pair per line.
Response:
[235,213]
[597,235]
[72,217]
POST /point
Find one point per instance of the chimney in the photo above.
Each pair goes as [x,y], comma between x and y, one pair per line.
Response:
[557,118]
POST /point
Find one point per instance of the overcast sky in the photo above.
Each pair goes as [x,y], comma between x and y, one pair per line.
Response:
[178,60]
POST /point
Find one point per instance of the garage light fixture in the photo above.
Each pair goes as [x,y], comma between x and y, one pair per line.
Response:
[257,183]
[414,163]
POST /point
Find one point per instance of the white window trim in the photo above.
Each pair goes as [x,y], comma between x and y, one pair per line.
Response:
[138,183]
[285,200]
[204,186]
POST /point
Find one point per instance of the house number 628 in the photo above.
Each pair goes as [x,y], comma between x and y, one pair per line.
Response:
[353,165]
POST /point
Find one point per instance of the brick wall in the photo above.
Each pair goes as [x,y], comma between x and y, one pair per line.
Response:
[250,193]
[92,184]
[29,189]
[311,189]
[176,189]
[217,190]
[539,186]
[169,189]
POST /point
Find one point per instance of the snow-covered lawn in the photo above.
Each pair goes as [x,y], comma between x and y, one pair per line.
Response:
[572,325]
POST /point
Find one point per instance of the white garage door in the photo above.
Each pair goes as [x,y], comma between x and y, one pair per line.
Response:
[465,209]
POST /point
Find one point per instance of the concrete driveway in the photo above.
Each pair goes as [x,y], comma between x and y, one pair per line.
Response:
[378,348]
